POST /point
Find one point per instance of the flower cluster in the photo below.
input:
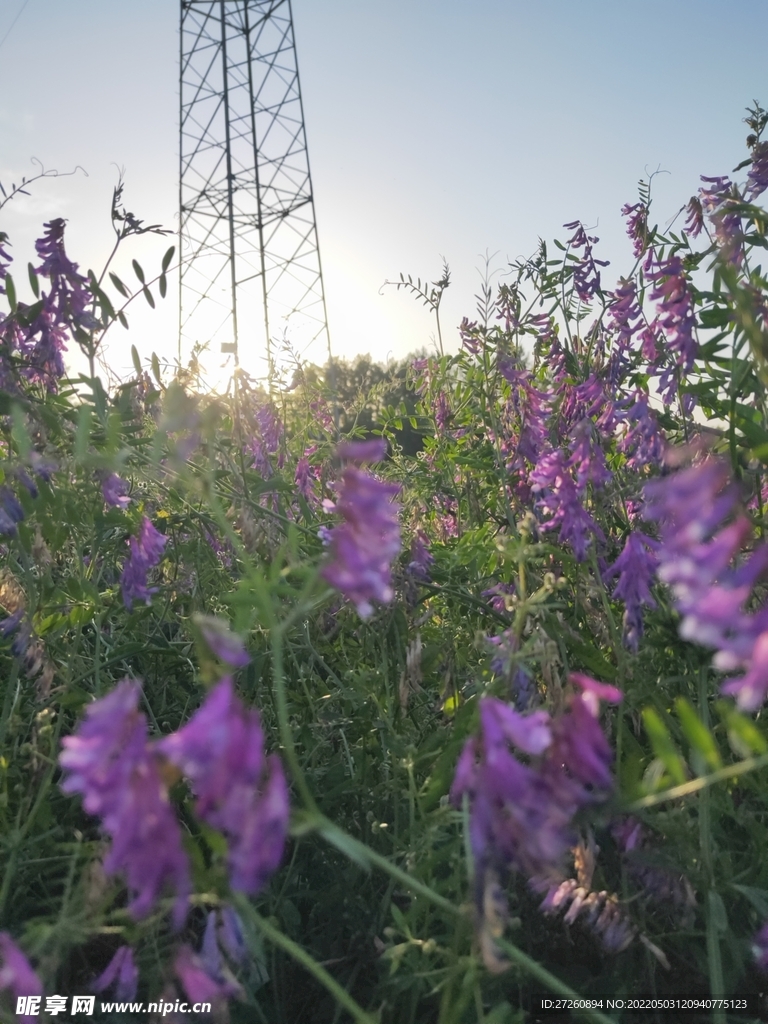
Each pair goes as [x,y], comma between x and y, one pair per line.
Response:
[111,763]
[560,498]
[364,545]
[696,559]
[145,552]
[586,276]
[521,815]
[238,789]
[635,567]
[671,291]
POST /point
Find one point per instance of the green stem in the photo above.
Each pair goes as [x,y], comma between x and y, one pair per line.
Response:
[716,982]
[277,938]
[364,853]
[284,725]
[750,764]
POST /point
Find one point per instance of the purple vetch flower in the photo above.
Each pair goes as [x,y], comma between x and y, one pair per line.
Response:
[17,977]
[231,936]
[552,479]
[322,414]
[637,226]
[526,424]
[659,884]
[635,567]
[521,816]
[423,371]
[122,973]
[586,276]
[642,441]
[11,512]
[760,948]
[222,642]
[115,491]
[588,458]
[223,550]
[472,336]
[672,294]
[20,624]
[718,202]
[238,789]
[497,595]
[421,557]
[442,411]
[757,178]
[211,958]
[69,288]
[307,475]
[372,450]
[109,761]
[624,321]
[711,580]
[694,222]
[145,552]
[267,436]
[365,544]
[579,743]
[197,983]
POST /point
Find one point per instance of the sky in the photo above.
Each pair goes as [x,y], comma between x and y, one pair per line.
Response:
[436,129]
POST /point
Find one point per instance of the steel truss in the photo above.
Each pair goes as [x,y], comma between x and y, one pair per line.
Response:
[247,230]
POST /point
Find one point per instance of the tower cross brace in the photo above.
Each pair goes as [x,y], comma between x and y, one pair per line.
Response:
[247,230]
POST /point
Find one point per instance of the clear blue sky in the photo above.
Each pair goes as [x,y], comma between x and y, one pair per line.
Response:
[435,128]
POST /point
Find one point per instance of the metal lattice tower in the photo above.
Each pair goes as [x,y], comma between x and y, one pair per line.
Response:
[251,274]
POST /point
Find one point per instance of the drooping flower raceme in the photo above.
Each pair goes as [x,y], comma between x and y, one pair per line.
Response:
[109,761]
[676,317]
[239,790]
[364,545]
[586,276]
[145,552]
[552,479]
[703,562]
[635,567]
[521,815]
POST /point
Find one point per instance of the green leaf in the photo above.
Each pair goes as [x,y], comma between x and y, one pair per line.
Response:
[697,734]
[83,432]
[136,360]
[757,897]
[148,297]
[119,285]
[162,285]
[138,271]
[122,318]
[717,911]
[743,735]
[34,282]
[663,745]
[156,368]
[168,257]
[345,844]
[10,291]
